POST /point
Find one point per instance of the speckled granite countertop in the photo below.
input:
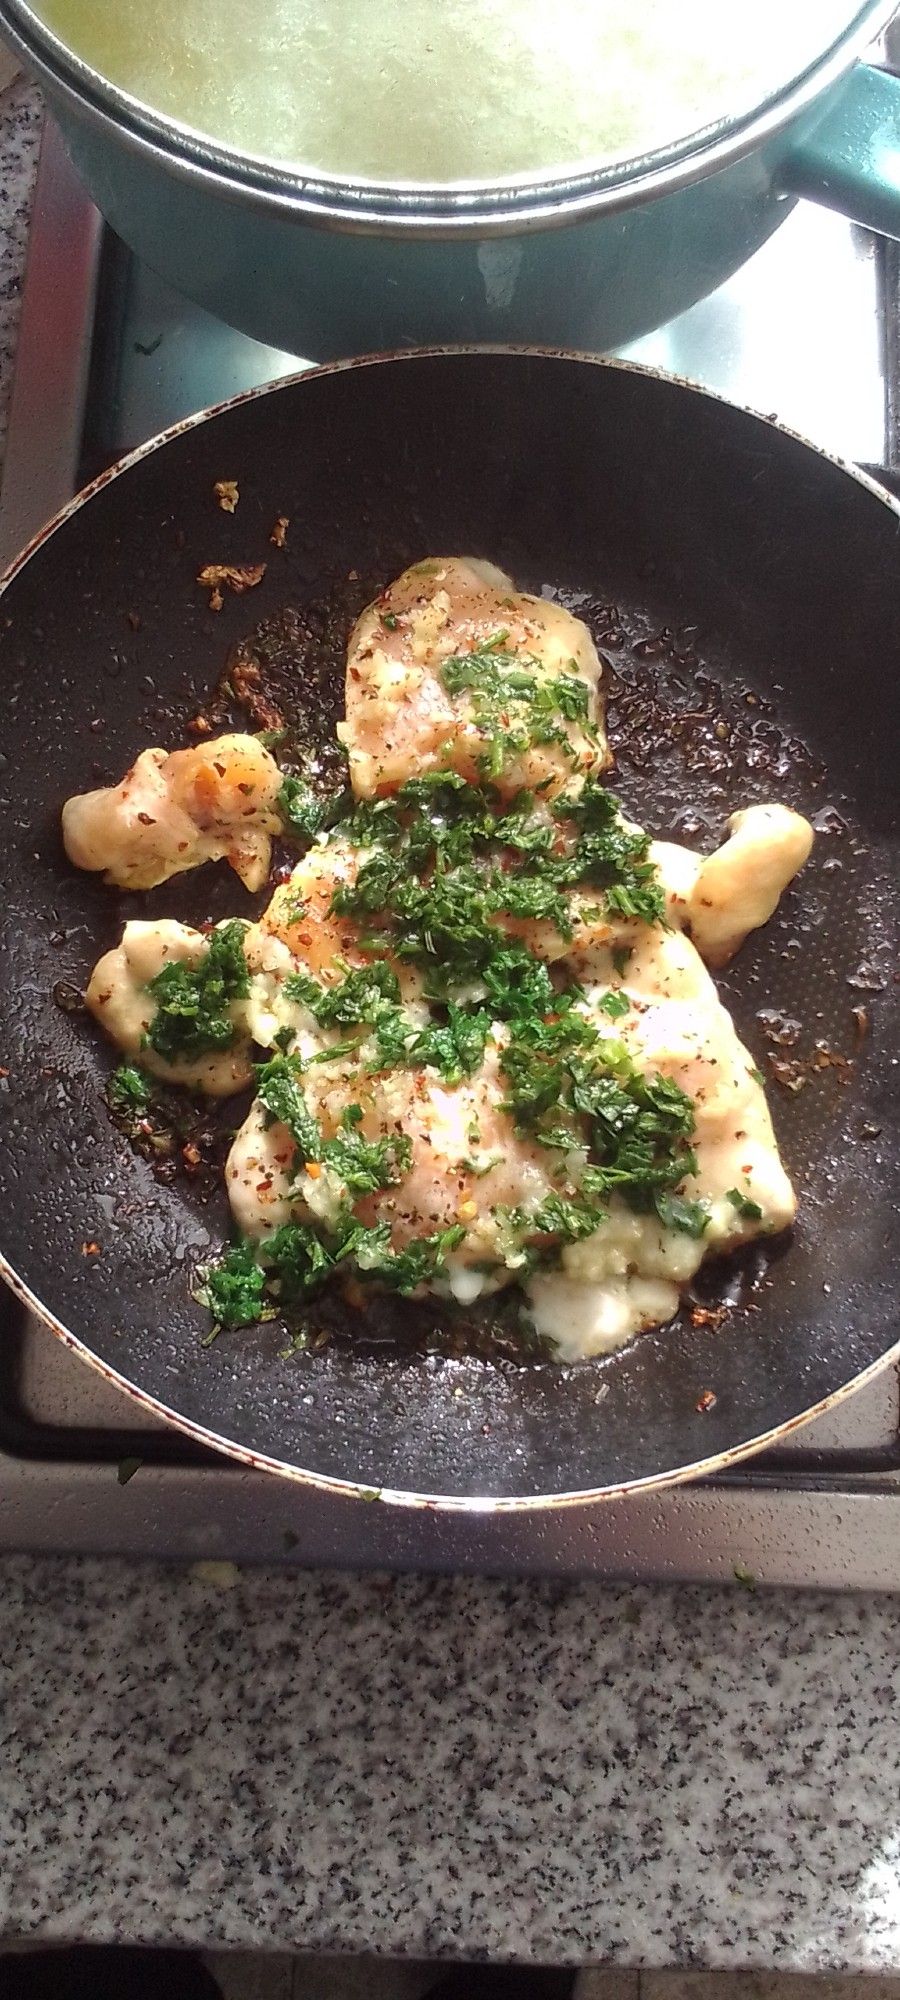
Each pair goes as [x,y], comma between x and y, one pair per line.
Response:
[439,1768]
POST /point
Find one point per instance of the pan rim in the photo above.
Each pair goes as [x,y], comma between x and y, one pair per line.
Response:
[485,1505]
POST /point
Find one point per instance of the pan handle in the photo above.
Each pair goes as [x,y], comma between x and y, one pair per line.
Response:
[850,160]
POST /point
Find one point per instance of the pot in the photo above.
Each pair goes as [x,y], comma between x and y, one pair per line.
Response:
[326,267]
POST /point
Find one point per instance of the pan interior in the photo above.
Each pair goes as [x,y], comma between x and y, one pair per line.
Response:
[744,592]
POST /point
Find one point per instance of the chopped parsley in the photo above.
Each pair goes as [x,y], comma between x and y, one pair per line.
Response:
[366,1165]
[304,812]
[504,679]
[565,1081]
[558,1216]
[193,1016]
[749,1210]
[676,1213]
[454,1049]
[370,996]
[359,997]
[447,867]
[279,1091]
[128,1091]
[363,1165]
[615,1005]
[234,1289]
[296,1260]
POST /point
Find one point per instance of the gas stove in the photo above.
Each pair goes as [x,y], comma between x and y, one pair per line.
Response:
[808,330]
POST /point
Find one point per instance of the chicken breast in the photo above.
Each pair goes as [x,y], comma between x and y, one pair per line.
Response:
[175,810]
[454,669]
[467,1163]
[300,911]
[629,1273]
[120,999]
[738,888]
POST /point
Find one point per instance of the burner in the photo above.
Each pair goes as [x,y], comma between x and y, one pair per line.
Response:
[808,330]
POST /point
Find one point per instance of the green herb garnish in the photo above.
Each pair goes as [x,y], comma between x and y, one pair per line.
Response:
[750,1210]
[615,1005]
[279,1091]
[193,1015]
[296,1260]
[304,812]
[366,1165]
[128,1091]
[691,1217]
[234,1289]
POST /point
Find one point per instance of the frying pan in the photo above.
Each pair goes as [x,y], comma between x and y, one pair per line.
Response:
[745,591]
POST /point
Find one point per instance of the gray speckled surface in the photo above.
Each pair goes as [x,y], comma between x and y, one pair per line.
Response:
[656,1777]
[436,1767]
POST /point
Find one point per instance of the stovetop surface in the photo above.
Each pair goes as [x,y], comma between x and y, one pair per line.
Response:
[809,330]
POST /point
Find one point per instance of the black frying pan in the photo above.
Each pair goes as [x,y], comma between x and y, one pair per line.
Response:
[746,591]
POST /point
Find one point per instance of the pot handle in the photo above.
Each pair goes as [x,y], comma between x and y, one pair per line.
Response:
[850,160]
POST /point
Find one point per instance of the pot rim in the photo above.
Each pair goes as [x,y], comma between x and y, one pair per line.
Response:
[491,208]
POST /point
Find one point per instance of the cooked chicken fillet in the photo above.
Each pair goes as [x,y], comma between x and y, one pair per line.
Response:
[299,912]
[738,888]
[176,809]
[720,898]
[118,998]
[403,720]
[629,1273]
[467,1159]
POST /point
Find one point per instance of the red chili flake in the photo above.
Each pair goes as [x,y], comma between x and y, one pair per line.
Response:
[90,1249]
[279,530]
[706,1400]
[3,1070]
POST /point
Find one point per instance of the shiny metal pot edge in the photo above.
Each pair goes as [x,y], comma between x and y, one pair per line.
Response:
[411,209]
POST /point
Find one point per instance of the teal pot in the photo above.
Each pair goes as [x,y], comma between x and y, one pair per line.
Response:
[328,268]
